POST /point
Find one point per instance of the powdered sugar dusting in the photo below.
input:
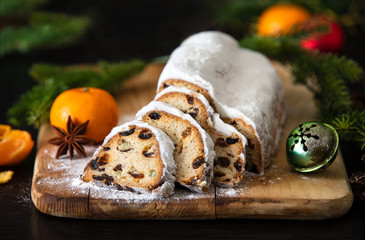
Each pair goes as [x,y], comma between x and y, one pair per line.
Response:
[208,142]
[65,164]
[65,174]
[233,77]
[126,118]
[70,180]
[231,192]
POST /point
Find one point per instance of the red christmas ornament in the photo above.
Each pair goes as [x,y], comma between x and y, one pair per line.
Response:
[330,40]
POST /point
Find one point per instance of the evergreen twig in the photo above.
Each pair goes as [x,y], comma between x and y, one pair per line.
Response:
[46,30]
[17,8]
[351,127]
[33,107]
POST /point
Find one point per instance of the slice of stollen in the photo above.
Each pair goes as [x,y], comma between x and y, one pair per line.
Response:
[229,144]
[134,157]
[194,153]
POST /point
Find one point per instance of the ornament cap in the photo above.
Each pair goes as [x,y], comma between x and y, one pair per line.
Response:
[311,146]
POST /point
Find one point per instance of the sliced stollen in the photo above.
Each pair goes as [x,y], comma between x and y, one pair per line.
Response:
[134,157]
[240,84]
[229,144]
[194,153]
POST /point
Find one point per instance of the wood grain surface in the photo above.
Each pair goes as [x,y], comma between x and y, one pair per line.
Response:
[281,193]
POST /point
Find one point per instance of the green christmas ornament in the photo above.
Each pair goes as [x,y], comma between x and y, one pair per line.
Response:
[311,146]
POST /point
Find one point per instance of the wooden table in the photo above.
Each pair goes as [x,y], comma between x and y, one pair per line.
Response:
[19,219]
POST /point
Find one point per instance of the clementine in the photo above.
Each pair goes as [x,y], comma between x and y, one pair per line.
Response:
[15,145]
[281,19]
[82,104]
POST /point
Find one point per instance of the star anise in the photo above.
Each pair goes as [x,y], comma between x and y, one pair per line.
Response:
[72,139]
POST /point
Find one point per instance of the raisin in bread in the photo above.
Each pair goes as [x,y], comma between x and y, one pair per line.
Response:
[228,142]
[135,157]
[194,153]
[240,84]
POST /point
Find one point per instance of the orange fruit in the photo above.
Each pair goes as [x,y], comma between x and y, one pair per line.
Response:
[281,19]
[4,131]
[15,145]
[84,104]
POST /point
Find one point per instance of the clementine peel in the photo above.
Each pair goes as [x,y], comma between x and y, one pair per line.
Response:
[15,145]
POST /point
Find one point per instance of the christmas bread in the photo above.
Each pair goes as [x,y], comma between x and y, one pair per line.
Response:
[240,84]
[228,142]
[134,157]
[194,153]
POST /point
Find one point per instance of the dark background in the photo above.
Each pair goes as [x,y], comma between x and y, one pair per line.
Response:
[128,29]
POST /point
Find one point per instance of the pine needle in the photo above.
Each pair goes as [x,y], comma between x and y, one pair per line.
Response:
[351,127]
[46,30]
[15,8]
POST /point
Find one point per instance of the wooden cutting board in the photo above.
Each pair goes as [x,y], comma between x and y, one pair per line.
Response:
[281,193]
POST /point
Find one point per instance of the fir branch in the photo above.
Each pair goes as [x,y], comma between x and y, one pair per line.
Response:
[320,75]
[283,49]
[16,8]
[351,127]
[344,125]
[46,30]
[360,137]
[101,75]
[33,107]
[344,68]
[41,71]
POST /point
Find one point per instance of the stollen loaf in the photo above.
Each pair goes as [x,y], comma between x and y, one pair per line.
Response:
[240,84]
